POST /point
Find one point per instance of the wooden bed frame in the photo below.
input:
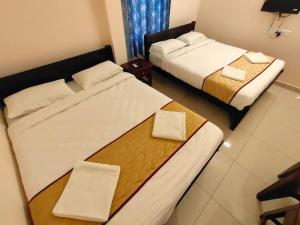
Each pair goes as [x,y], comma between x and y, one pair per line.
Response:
[235,115]
[63,70]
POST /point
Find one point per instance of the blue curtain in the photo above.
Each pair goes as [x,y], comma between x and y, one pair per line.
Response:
[141,17]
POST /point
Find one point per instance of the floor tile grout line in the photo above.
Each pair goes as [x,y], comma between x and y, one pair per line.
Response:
[262,118]
[211,195]
[227,211]
[275,148]
[248,172]
[245,168]
[276,97]
[211,198]
[202,210]
[243,146]
[285,125]
[265,113]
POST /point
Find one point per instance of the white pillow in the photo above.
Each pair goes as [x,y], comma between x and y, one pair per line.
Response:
[36,97]
[192,37]
[100,72]
[163,48]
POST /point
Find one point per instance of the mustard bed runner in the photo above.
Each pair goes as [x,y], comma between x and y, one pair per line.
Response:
[225,89]
[138,154]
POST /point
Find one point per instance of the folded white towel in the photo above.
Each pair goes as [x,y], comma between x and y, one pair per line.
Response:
[233,73]
[169,125]
[257,57]
[89,192]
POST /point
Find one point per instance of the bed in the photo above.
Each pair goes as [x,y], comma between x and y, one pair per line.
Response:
[197,65]
[96,125]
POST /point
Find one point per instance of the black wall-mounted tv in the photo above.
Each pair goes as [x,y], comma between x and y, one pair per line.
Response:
[282,6]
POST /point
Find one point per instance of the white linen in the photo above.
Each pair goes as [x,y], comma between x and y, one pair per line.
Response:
[89,192]
[100,72]
[36,97]
[192,37]
[78,126]
[169,125]
[155,201]
[84,126]
[194,62]
[165,47]
[233,73]
[257,57]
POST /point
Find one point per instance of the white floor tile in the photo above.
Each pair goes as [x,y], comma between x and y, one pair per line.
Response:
[283,113]
[190,207]
[289,98]
[263,161]
[234,143]
[214,214]
[237,194]
[215,171]
[279,136]
[259,110]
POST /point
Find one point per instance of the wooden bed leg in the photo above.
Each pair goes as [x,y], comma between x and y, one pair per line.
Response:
[236,116]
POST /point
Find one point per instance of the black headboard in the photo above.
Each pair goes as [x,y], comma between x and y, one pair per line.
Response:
[54,71]
[175,32]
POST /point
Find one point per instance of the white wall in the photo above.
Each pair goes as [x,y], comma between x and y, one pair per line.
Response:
[34,32]
[183,11]
[241,23]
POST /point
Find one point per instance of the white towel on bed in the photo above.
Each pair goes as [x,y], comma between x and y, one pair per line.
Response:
[257,57]
[233,73]
[169,125]
[89,192]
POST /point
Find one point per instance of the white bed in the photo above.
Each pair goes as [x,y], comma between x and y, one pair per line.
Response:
[54,138]
[193,63]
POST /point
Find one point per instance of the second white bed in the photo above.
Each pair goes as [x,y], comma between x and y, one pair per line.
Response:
[192,64]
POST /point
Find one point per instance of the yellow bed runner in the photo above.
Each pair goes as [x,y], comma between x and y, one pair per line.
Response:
[224,88]
[138,154]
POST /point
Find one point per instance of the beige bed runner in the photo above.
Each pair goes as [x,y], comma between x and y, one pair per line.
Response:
[224,88]
[138,154]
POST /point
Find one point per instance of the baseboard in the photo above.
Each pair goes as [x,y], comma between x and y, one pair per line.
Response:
[287,86]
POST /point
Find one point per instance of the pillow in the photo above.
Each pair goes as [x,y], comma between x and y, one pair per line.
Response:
[163,48]
[36,97]
[192,37]
[100,72]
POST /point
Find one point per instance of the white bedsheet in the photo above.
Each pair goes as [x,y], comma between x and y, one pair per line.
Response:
[194,63]
[48,142]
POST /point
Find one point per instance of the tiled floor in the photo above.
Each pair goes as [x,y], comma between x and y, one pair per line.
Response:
[265,143]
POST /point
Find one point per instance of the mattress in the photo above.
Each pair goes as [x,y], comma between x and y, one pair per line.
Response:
[194,63]
[57,134]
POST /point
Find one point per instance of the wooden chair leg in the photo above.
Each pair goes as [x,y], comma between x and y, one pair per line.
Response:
[288,186]
[277,190]
[290,170]
[278,213]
